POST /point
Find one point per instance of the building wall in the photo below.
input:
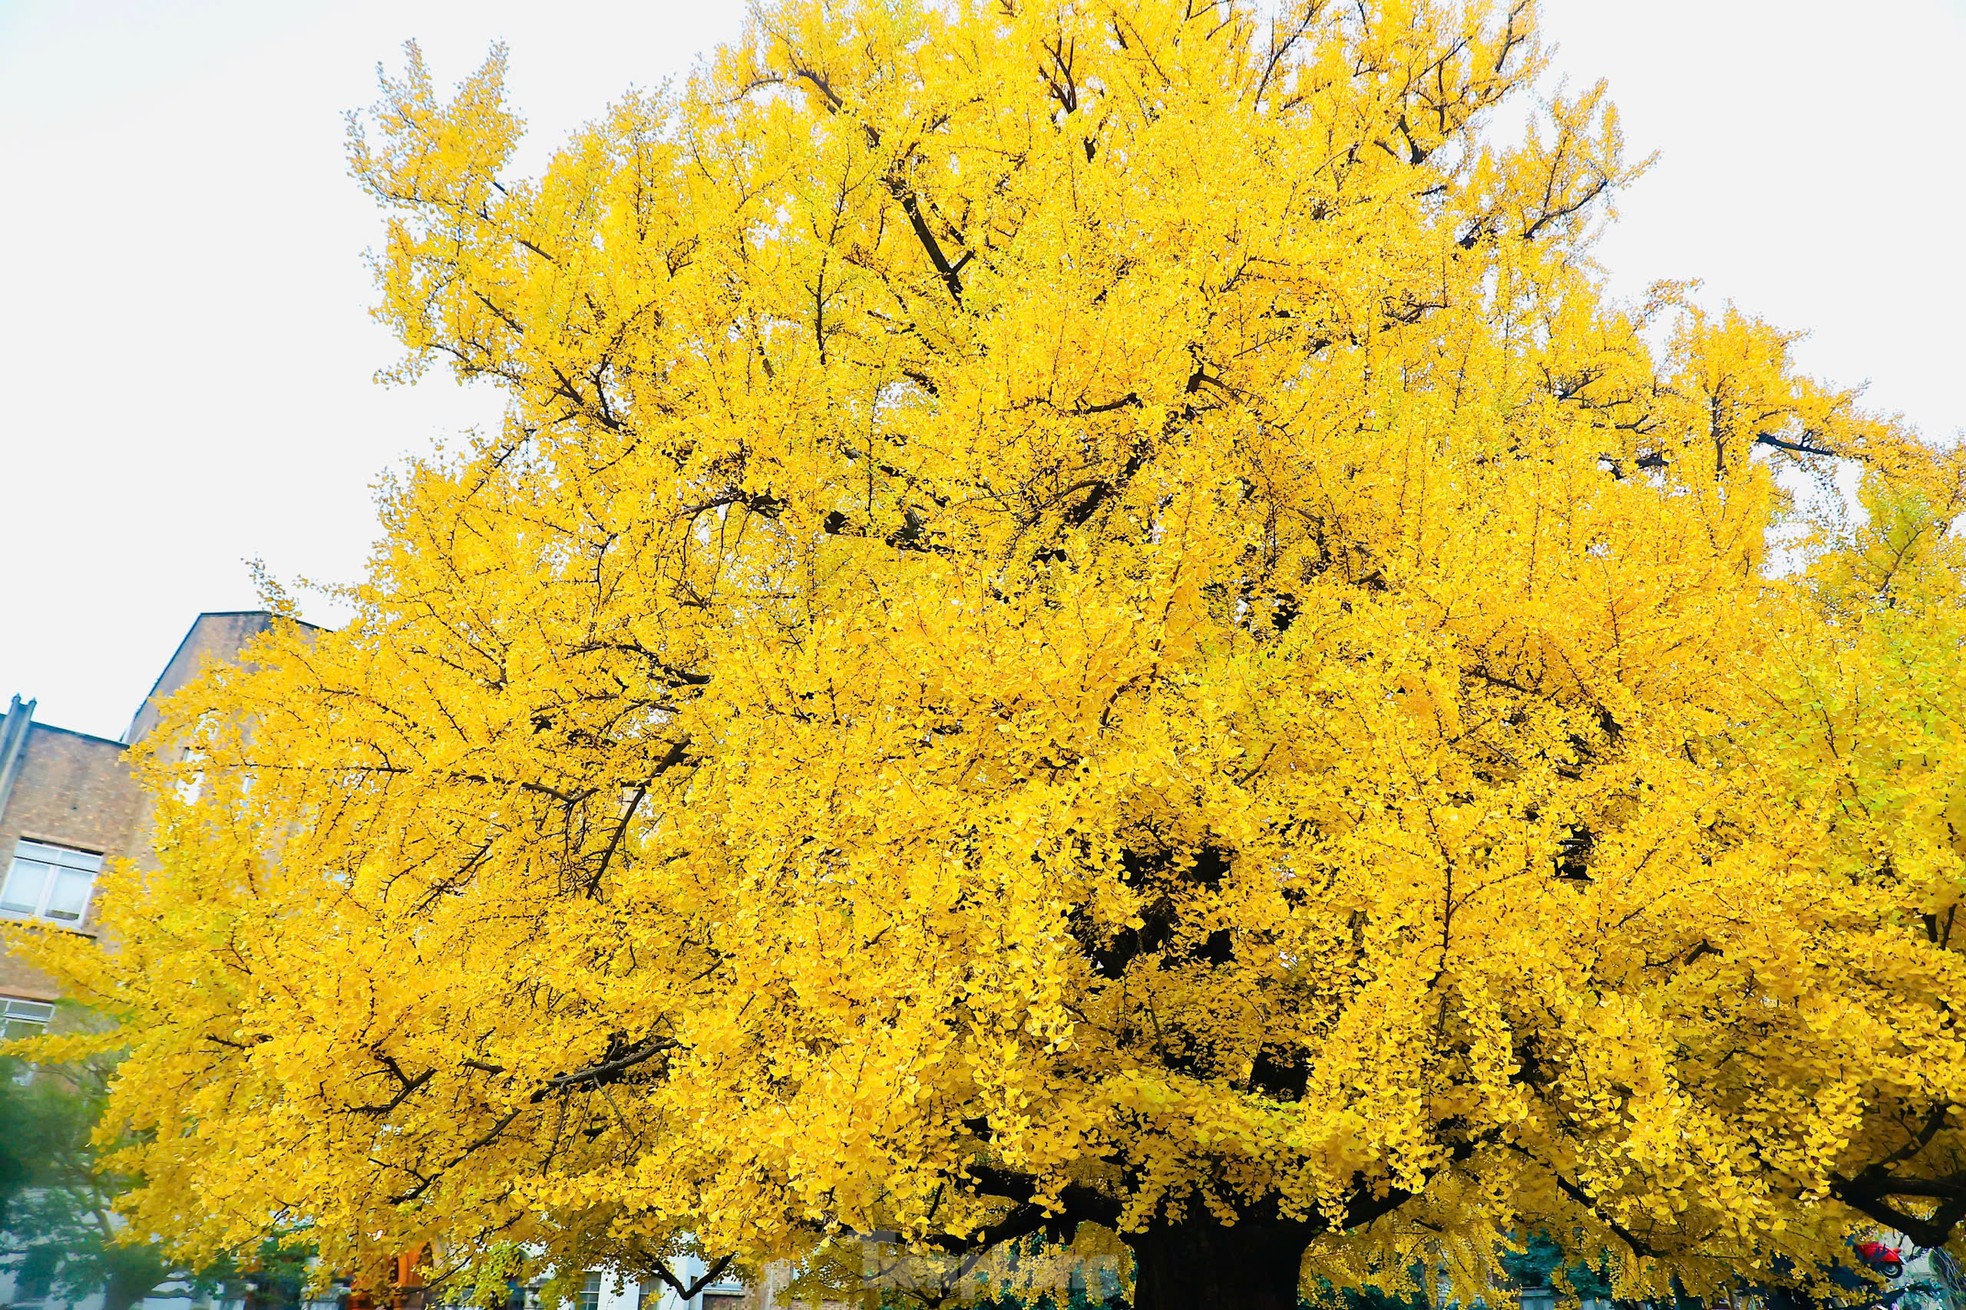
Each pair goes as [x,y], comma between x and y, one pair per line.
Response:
[72,789]
[211,637]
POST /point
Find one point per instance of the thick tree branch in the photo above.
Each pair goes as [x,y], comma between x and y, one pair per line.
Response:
[951,277]
[1797,447]
[690,1291]
[608,1070]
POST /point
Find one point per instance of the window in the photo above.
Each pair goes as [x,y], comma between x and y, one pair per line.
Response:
[23,1018]
[49,882]
[589,1297]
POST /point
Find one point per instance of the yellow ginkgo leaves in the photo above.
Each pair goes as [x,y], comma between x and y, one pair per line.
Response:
[1084,615]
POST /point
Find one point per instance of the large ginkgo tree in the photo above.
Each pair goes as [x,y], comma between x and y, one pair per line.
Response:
[1085,620]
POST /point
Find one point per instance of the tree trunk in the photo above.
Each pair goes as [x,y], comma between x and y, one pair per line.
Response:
[1200,1264]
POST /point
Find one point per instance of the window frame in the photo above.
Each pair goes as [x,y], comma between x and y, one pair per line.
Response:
[26,1012]
[56,859]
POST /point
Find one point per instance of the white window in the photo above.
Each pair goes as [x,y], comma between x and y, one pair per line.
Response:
[20,1018]
[49,882]
[589,1296]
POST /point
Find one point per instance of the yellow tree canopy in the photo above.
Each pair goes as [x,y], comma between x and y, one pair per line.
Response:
[1084,615]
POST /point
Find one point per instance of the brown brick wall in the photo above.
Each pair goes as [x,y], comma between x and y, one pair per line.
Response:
[212,637]
[76,790]
[72,790]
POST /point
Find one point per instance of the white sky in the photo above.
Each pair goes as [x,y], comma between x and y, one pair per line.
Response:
[186,358]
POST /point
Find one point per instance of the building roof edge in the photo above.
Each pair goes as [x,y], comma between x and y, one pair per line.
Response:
[38,726]
[178,650]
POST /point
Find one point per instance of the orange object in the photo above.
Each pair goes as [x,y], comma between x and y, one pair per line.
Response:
[409,1287]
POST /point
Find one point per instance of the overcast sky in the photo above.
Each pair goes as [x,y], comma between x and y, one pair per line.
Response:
[186,357]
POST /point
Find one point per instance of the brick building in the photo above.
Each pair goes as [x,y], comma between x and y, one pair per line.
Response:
[68,803]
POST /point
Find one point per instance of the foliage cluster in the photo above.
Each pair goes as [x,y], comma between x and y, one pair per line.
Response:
[56,1208]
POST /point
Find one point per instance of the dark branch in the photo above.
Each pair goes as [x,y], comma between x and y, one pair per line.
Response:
[1797,447]
[910,206]
[690,1291]
[608,1070]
